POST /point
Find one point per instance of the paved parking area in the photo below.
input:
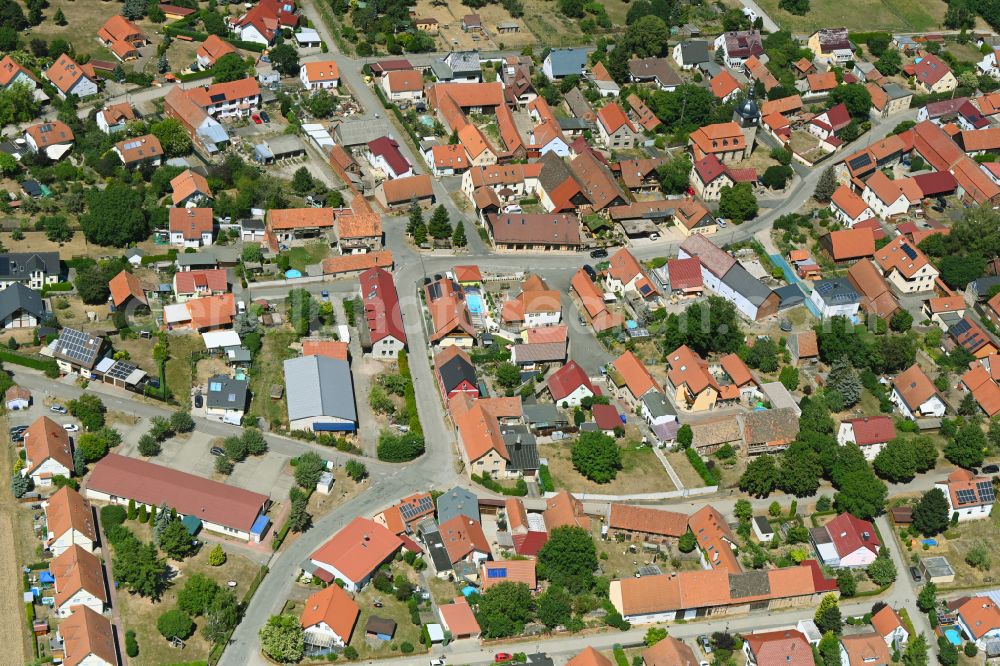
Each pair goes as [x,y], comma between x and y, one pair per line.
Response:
[263,475]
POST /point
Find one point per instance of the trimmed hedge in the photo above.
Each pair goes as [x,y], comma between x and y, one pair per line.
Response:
[409,395]
[195,76]
[46,365]
[545,479]
[709,476]
[56,286]
[520,489]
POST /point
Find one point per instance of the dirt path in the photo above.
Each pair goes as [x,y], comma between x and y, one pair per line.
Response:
[13,633]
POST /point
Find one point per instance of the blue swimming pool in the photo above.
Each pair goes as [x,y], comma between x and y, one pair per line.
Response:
[954,636]
[475,302]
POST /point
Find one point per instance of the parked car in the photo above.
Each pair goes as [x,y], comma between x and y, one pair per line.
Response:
[71,427]
[325,295]
[915,574]
[720,222]
[706,644]
[18,428]
[502,657]
[217,451]
[198,401]
[58,409]
[599,253]
[991,469]
[256,119]
[263,116]
[589,270]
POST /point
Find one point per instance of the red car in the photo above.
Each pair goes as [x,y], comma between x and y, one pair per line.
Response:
[502,657]
[256,119]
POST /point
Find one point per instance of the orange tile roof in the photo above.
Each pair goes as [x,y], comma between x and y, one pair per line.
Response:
[647,520]
[564,510]
[724,84]
[714,538]
[334,607]
[75,570]
[350,263]
[646,117]
[140,148]
[86,632]
[893,257]
[404,190]
[782,105]
[9,70]
[331,348]
[451,156]
[417,505]
[469,273]
[479,432]
[634,373]
[473,141]
[878,95]
[852,243]
[867,648]
[358,549]
[914,386]
[119,28]
[65,72]
[613,118]
[787,647]
[50,134]
[187,183]
[848,201]
[191,222]
[669,652]
[808,344]
[980,615]
[299,218]
[232,91]
[214,48]
[686,368]
[822,81]
[516,571]
[886,621]
[124,286]
[358,221]
[463,536]
[212,311]
[318,72]
[405,80]
[67,510]
[46,439]
[719,138]
[458,618]
[589,657]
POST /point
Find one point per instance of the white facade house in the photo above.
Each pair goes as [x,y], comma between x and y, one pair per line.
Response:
[885,201]
[915,396]
[869,434]
[849,208]
[79,581]
[979,619]
[319,75]
[835,298]
[988,65]
[69,521]
[969,497]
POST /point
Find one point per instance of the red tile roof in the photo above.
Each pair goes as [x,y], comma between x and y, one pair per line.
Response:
[685,273]
[787,647]
[606,417]
[211,279]
[930,69]
[45,439]
[124,286]
[631,518]
[299,218]
[383,315]
[873,430]
[191,222]
[567,379]
[214,48]
[509,571]
[334,607]
[318,72]
[850,534]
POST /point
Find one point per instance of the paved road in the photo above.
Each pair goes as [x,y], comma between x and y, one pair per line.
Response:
[769,25]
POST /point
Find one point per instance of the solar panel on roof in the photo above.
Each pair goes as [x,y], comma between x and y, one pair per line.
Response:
[218,97]
[497,572]
[409,511]
[986,493]
[909,251]
[965,496]
[120,370]
[77,345]
[860,161]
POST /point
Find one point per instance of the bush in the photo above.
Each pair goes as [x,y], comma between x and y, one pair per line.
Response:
[131,646]
[545,479]
[175,623]
[400,448]
[406,647]
[709,476]
[112,515]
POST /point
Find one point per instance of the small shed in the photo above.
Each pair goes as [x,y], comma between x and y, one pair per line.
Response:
[382,628]
[17,397]
[902,515]
[192,524]
[937,570]
[435,633]
[325,483]
[762,528]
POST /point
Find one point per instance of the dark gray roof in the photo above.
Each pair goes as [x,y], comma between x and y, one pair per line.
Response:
[439,555]
[226,393]
[554,171]
[567,61]
[522,448]
[657,404]
[456,370]
[19,265]
[896,92]
[253,223]
[983,285]
[463,62]
[542,414]
[578,104]
[820,535]
[573,124]
[319,386]
[17,297]
[457,502]
[749,584]
[790,296]
[763,525]
[739,280]
[78,347]
[837,291]
[442,72]
[695,51]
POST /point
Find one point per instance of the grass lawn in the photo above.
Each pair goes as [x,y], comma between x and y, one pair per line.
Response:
[955,543]
[443,591]
[179,367]
[689,477]
[406,631]
[267,369]
[301,256]
[967,52]
[889,15]
[140,614]
[641,472]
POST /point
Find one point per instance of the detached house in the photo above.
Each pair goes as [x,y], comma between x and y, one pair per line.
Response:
[631,379]
[658,70]
[384,154]
[569,385]
[969,496]
[914,395]
[832,45]
[979,619]
[47,452]
[383,334]
[69,522]
[403,85]
[114,117]
[122,37]
[69,78]
[235,99]
[870,434]
[79,581]
[848,207]
[617,131]
[328,618]
[738,46]
[191,227]
[265,20]
[626,275]
[846,542]
[932,75]
[888,198]
[319,75]
[694,386]
[481,440]
[134,152]
[211,50]
[53,139]
[906,267]
[189,188]
[355,553]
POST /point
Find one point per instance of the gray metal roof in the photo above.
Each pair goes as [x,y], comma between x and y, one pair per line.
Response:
[790,295]
[567,61]
[657,404]
[695,51]
[463,62]
[441,70]
[896,91]
[739,280]
[542,413]
[319,386]
[357,132]
[521,447]
[457,502]
[837,291]
[573,124]
[226,393]
[18,297]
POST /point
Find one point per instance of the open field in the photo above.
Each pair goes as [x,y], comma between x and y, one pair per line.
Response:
[689,477]
[641,472]
[955,543]
[179,369]
[140,614]
[862,15]
[268,369]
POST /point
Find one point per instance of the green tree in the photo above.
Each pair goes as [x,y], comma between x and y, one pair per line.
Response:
[181,421]
[299,519]
[222,617]
[825,186]
[217,556]
[508,375]
[139,568]
[844,380]
[173,137]
[175,624]
[229,67]
[827,617]
[415,218]
[890,63]
[743,510]
[967,447]
[197,595]
[504,609]
[829,648]
[707,326]
[760,477]
[738,202]
[89,410]
[647,37]
[569,559]
[862,494]
[979,557]
[115,216]
[800,470]
[440,224]
[847,583]
[596,456]
[458,238]
[675,174]
[927,598]
[947,653]
[308,468]
[254,442]
[882,571]
[901,321]
[56,227]
[685,436]
[17,104]
[958,271]
[855,97]
[134,9]
[776,176]
[285,59]
[916,651]
[797,7]
[176,542]
[162,64]
[789,377]
[356,470]
[8,165]
[896,462]
[555,607]
[687,542]
[282,639]
[252,253]
[302,180]
[654,635]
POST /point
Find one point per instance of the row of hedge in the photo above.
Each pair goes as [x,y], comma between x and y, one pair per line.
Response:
[282,533]
[545,479]
[46,365]
[57,286]
[410,395]
[709,476]
[216,654]
[520,489]
[171,255]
